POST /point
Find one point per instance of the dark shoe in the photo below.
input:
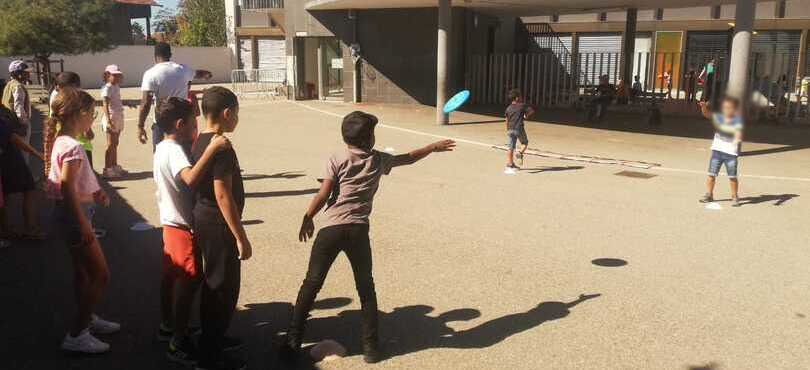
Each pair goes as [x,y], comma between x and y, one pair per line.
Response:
[165,333]
[372,354]
[182,352]
[708,198]
[291,348]
[232,344]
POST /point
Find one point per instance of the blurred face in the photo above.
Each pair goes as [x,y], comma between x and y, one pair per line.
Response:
[728,109]
[86,118]
[230,119]
[186,128]
[117,79]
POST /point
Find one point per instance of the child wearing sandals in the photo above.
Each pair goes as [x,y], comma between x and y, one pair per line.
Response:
[72,183]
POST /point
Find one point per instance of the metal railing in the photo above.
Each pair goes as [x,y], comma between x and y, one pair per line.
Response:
[261,4]
[549,78]
[260,82]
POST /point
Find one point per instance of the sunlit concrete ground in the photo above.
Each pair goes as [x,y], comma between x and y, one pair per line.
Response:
[475,269]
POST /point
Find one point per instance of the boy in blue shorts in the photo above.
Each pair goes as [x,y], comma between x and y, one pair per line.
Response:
[728,126]
[516,112]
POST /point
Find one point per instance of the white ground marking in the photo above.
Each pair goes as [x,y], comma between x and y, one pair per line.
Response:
[480,144]
[141,226]
[389,149]
[714,206]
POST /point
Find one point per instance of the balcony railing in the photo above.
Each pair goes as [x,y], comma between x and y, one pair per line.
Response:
[261,4]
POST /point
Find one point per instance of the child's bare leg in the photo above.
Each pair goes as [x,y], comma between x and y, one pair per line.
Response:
[710,185]
[167,300]
[30,213]
[115,136]
[109,154]
[509,154]
[523,148]
[735,185]
[92,275]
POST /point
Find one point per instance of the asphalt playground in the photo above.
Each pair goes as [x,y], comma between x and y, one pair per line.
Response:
[566,265]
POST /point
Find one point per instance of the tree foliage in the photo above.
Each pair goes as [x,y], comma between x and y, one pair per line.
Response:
[138,34]
[165,23]
[44,27]
[201,23]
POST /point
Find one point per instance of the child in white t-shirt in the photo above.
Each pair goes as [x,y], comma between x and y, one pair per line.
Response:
[175,178]
[112,119]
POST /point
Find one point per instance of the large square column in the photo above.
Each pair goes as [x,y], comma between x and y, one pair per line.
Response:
[629,46]
[442,52]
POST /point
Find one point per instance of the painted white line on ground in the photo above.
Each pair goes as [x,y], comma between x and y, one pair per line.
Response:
[478,143]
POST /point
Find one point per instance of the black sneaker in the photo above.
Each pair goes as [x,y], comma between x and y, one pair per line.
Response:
[707,198]
[232,344]
[372,354]
[226,364]
[165,333]
[182,352]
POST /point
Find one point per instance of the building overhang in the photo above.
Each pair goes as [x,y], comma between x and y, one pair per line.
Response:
[515,7]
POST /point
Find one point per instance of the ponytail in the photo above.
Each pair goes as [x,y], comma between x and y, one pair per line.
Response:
[65,109]
[49,134]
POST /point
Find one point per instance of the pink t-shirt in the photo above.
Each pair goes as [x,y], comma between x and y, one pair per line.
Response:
[66,149]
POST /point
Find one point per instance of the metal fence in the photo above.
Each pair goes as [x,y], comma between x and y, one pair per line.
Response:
[554,78]
[259,82]
[261,4]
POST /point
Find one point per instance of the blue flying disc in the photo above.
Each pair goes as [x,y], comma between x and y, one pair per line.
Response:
[456,101]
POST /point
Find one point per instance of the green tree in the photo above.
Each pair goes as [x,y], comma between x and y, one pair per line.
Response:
[138,35]
[165,22]
[45,27]
[202,23]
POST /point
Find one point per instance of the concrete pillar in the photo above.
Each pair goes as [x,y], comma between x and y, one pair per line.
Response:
[231,22]
[801,69]
[442,57]
[629,45]
[741,50]
[321,71]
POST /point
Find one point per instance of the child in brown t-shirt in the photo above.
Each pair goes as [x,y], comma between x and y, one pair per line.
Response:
[348,185]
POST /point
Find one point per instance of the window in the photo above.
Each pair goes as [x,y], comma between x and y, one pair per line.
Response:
[555,18]
[780,9]
[659,14]
[716,12]
[602,16]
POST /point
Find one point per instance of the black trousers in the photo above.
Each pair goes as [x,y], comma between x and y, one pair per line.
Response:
[221,267]
[353,240]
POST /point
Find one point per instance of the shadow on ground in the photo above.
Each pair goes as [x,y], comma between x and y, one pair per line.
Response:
[404,330]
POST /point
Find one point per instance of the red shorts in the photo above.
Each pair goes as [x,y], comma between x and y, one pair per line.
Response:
[178,253]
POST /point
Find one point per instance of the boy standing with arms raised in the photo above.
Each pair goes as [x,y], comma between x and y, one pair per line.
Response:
[516,113]
[348,185]
[728,125]
[175,177]
[219,236]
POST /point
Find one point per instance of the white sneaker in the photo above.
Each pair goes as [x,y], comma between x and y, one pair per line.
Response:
[110,173]
[84,343]
[101,326]
[510,171]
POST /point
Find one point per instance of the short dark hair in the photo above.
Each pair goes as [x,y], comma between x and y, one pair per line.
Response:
[732,100]
[163,50]
[358,129]
[65,79]
[170,110]
[216,99]
[514,94]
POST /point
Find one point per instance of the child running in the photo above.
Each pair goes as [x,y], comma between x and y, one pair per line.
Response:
[516,113]
[728,136]
[72,183]
[112,120]
[175,177]
[348,185]
[219,236]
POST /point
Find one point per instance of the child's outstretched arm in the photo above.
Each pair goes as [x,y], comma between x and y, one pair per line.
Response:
[415,155]
[223,191]
[21,144]
[192,175]
[704,109]
[315,206]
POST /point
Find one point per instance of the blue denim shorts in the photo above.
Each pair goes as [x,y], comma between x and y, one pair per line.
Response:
[67,224]
[512,137]
[720,159]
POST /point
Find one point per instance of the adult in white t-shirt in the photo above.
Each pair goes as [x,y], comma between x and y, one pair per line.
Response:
[164,80]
